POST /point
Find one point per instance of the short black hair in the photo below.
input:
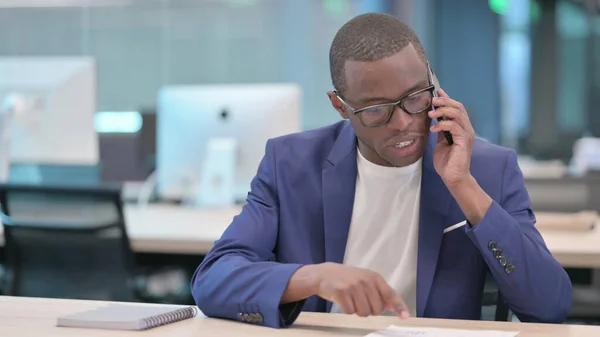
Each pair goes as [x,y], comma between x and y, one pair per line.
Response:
[369,37]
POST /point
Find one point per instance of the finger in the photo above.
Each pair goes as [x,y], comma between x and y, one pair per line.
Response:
[448,112]
[445,100]
[361,303]
[397,305]
[451,126]
[439,102]
[464,120]
[346,303]
[440,137]
[442,93]
[454,114]
[375,299]
[392,301]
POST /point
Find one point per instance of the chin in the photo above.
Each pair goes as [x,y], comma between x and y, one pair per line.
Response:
[399,157]
[406,161]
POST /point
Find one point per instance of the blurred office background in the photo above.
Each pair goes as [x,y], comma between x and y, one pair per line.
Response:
[527,70]
[524,68]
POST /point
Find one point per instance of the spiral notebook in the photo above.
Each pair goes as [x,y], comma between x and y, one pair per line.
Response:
[127,317]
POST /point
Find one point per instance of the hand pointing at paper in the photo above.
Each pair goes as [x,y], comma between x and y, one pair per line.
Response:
[355,290]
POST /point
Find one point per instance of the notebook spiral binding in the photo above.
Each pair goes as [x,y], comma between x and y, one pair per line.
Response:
[171,317]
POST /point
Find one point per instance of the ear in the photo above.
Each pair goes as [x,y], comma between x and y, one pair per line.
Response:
[337,105]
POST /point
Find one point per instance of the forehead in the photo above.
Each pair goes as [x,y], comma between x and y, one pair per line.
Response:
[388,78]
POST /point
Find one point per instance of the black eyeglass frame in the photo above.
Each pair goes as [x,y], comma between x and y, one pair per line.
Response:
[399,103]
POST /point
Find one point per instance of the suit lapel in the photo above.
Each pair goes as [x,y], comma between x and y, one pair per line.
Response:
[339,185]
[435,202]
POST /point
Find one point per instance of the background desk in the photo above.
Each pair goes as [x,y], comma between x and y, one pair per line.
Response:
[158,228]
[37,317]
[172,229]
[574,249]
[175,229]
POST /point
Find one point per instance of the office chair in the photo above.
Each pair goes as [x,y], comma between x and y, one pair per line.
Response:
[2,275]
[147,136]
[493,298]
[66,242]
[572,194]
[586,301]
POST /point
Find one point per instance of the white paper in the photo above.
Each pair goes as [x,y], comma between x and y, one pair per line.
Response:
[396,331]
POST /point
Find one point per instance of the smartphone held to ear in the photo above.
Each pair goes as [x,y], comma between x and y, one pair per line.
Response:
[436,83]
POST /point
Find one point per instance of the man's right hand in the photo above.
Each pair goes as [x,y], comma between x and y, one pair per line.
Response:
[355,290]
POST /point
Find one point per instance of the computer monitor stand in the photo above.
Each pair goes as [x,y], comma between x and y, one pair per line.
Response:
[13,105]
[5,119]
[216,187]
[28,173]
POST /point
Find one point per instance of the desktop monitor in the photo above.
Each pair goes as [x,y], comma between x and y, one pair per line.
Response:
[190,117]
[54,103]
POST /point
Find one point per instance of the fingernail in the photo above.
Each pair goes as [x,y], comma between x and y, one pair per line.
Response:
[404,314]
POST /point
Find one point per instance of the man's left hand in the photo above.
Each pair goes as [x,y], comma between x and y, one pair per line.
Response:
[452,162]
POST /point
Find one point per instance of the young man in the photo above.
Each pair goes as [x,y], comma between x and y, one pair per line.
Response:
[379,213]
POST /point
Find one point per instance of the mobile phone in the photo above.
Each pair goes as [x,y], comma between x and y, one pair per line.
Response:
[436,84]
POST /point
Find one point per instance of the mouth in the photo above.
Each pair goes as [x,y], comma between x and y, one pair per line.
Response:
[405,147]
[404,144]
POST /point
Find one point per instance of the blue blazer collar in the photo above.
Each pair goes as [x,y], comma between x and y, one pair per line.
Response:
[435,204]
[344,145]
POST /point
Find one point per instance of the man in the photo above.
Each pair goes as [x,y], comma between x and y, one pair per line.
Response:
[379,213]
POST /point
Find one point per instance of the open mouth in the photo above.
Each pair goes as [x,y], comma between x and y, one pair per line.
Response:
[404,143]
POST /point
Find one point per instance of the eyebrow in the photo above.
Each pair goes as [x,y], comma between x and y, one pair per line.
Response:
[379,99]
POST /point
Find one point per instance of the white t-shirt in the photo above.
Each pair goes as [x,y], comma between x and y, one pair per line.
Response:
[383,235]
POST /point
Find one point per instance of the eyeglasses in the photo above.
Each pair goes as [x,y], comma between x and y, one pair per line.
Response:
[377,115]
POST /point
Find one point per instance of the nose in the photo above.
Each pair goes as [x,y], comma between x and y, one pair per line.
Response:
[400,120]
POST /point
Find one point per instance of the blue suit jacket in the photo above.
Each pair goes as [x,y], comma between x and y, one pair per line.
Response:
[299,209]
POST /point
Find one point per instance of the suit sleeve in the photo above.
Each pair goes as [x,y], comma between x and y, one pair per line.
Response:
[239,278]
[532,282]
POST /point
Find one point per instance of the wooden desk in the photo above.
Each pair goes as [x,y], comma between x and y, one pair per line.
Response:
[160,228]
[37,317]
[574,249]
[176,229]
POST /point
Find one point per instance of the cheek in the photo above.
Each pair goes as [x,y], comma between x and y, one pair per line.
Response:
[367,135]
[361,131]
[427,122]
[423,122]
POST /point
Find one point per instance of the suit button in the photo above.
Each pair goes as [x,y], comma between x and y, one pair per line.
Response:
[509,268]
[259,318]
[503,260]
[497,253]
[492,245]
[246,318]
[241,316]
[253,318]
